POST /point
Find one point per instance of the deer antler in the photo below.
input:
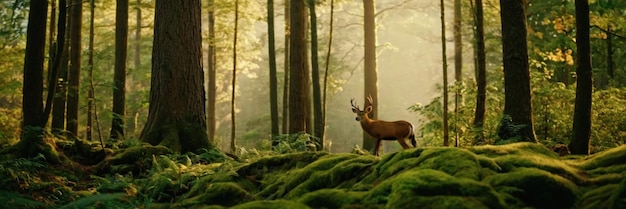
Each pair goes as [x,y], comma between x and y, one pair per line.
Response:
[370,100]
[353,105]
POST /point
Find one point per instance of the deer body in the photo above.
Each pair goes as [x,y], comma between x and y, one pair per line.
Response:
[384,130]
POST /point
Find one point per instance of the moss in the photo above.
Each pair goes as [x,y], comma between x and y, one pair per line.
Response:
[331,198]
[452,202]
[555,166]
[607,158]
[618,197]
[519,148]
[536,188]
[222,193]
[401,191]
[271,204]
[598,197]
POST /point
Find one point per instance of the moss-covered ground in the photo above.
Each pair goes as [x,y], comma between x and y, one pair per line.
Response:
[519,175]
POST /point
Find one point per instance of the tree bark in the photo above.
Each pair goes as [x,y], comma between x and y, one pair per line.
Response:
[517,98]
[285,122]
[299,89]
[211,86]
[61,61]
[233,143]
[318,117]
[584,82]
[176,117]
[370,71]
[481,78]
[75,65]
[444,59]
[90,97]
[272,62]
[458,66]
[119,75]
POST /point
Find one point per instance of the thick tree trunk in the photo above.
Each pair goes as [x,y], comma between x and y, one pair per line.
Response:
[299,89]
[272,62]
[176,116]
[75,66]
[370,71]
[119,76]
[318,117]
[61,62]
[584,82]
[481,77]
[517,97]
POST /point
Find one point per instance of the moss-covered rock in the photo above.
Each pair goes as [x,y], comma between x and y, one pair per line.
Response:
[331,198]
[271,204]
[536,188]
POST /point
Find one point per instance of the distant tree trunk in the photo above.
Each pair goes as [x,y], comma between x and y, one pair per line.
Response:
[517,98]
[61,62]
[299,89]
[273,78]
[119,75]
[90,98]
[444,58]
[318,117]
[32,140]
[327,63]
[584,82]
[481,78]
[176,117]
[52,45]
[609,53]
[458,66]
[131,125]
[369,68]
[75,66]
[287,70]
[211,86]
[233,143]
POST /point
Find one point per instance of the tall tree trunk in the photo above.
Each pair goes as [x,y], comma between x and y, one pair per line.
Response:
[444,59]
[273,78]
[299,89]
[32,142]
[286,97]
[326,69]
[176,117]
[57,98]
[211,86]
[75,66]
[233,143]
[318,117]
[517,98]
[119,75]
[131,125]
[370,71]
[584,82]
[52,45]
[481,78]
[458,66]
[90,99]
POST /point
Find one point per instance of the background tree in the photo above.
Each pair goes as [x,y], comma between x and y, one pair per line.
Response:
[91,97]
[458,64]
[233,144]
[326,69]
[211,75]
[318,117]
[517,97]
[370,72]
[76,22]
[271,42]
[444,61]
[119,77]
[584,82]
[299,89]
[61,61]
[287,63]
[176,116]
[481,78]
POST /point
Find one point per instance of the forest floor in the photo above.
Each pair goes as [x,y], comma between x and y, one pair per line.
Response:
[519,175]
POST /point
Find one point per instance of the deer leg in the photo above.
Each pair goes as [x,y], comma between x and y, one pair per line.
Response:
[403,143]
[377,147]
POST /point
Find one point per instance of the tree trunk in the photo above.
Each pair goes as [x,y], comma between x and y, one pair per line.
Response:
[444,59]
[176,117]
[299,89]
[327,63]
[273,78]
[458,66]
[32,140]
[318,117]
[211,86]
[119,75]
[75,66]
[61,61]
[233,143]
[481,78]
[369,68]
[90,98]
[517,99]
[584,82]
[131,124]
[286,97]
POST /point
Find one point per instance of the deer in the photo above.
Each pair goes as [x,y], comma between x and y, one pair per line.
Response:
[384,130]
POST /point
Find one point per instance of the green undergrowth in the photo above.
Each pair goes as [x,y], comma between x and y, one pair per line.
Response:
[519,175]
